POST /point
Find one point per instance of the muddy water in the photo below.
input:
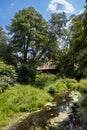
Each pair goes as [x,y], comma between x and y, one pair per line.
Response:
[39,120]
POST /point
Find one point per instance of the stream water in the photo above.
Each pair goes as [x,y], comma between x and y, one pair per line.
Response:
[54,116]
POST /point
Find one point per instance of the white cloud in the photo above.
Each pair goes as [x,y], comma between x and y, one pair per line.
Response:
[12,4]
[60,6]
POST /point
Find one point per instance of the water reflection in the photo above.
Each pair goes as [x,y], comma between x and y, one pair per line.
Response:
[39,120]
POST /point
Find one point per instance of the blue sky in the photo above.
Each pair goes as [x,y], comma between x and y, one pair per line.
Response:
[8,8]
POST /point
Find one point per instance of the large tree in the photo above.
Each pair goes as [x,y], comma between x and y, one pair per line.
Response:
[5,48]
[3,40]
[78,46]
[30,39]
[57,24]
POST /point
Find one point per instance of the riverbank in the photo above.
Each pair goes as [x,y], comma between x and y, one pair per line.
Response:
[52,114]
[54,122]
[20,100]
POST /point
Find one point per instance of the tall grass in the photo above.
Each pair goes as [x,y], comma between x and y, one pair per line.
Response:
[27,98]
[83,85]
[61,85]
[20,98]
[44,79]
[71,84]
[56,87]
[83,90]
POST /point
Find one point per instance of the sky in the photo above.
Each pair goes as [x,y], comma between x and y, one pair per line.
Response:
[8,8]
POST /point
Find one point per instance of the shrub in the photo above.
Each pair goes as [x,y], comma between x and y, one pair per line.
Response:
[71,84]
[8,75]
[60,86]
[26,74]
[83,85]
[84,103]
[44,79]
[56,87]
[51,88]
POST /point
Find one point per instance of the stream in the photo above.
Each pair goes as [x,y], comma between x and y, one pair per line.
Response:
[60,114]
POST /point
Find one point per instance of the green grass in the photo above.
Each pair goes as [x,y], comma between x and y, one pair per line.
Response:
[83,85]
[56,87]
[44,79]
[62,85]
[83,90]
[71,84]
[21,98]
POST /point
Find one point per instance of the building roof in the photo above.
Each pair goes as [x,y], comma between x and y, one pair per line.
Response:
[47,66]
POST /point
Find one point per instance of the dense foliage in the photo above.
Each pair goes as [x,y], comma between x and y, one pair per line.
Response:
[8,75]
[34,41]
[26,74]
[42,80]
[30,40]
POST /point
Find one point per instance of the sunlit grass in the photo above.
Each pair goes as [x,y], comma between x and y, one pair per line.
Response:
[21,98]
[83,85]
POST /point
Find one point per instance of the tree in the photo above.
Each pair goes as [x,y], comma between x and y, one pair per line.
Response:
[30,37]
[78,46]
[83,52]
[5,48]
[64,59]
[3,41]
[57,24]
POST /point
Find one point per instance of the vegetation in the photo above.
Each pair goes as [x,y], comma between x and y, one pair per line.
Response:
[8,76]
[34,41]
[20,98]
[83,85]
[26,74]
[43,80]
[30,36]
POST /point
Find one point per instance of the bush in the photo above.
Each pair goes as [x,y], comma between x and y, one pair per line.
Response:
[60,86]
[83,85]
[71,84]
[26,74]
[56,87]
[44,79]
[51,88]
[8,75]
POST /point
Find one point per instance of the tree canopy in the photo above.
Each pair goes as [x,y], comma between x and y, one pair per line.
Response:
[30,40]
[33,40]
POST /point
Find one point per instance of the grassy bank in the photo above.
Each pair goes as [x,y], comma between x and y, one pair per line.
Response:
[21,99]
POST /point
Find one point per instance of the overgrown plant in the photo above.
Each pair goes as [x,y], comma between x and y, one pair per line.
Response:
[19,99]
[26,74]
[56,87]
[83,85]
[8,75]
[44,79]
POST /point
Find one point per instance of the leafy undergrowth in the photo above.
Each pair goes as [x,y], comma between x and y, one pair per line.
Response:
[83,85]
[62,85]
[44,79]
[20,99]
